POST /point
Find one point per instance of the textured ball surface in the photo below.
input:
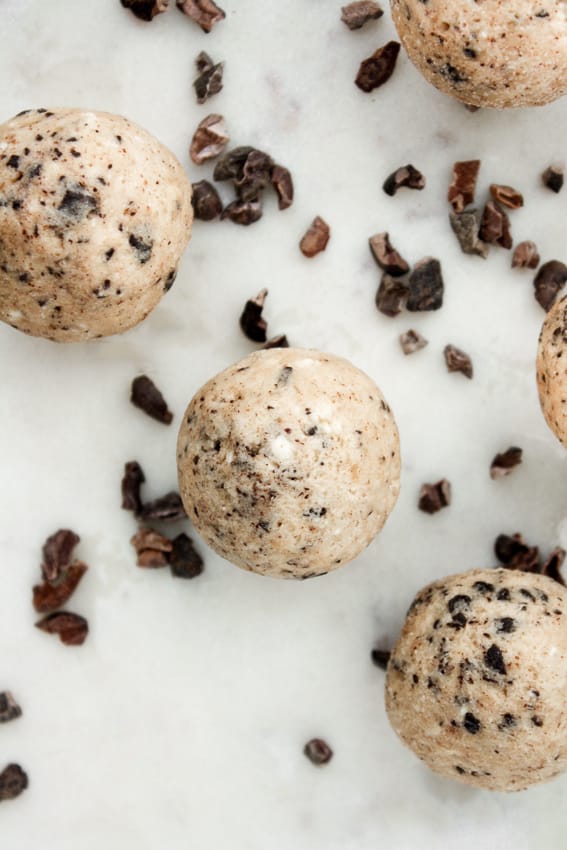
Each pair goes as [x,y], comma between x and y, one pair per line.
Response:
[552,369]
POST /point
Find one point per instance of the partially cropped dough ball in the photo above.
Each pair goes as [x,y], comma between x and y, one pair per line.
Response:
[477,682]
[94,216]
[552,369]
[494,53]
[289,462]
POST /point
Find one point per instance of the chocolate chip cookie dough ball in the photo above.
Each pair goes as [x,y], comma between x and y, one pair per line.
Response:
[497,53]
[477,682]
[94,216]
[289,462]
[552,369]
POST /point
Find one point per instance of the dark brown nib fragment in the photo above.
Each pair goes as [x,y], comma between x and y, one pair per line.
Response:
[283,184]
[13,781]
[251,321]
[386,255]
[380,657]
[412,341]
[507,196]
[525,256]
[151,548]
[206,201]
[552,566]
[168,508]
[458,361]
[318,751]
[315,238]
[209,139]
[206,13]
[405,177]
[209,77]
[463,184]
[280,341]
[514,553]
[425,286]
[504,463]
[57,553]
[146,10]
[548,283]
[495,226]
[9,708]
[243,212]
[132,481]
[553,178]
[49,596]
[433,497]
[356,14]
[391,295]
[71,628]
[146,396]
[184,560]
[378,68]
[465,226]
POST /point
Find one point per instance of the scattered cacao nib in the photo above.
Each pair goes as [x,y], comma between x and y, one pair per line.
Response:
[283,184]
[9,708]
[206,13]
[407,176]
[463,184]
[458,361]
[465,226]
[513,552]
[412,341]
[168,508]
[184,560]
[356,14]
[318,751]
[57,553]
[71,628]
[209,139]
[256,174]
[253,325]
[471,108]
[231,165]
[525,256]
[433,497]
[425,286]
[131,484]
[151,548]
[507,196]
[145,395]
[378,68]
[495,226]
[206,201]
[504,463]
[553,178]
[146,10]
[243,212]
[13,781]
[391,295]
[548,283]
[380,657]
[209,77]
[50,596]
[279,341]
[315,238]
[386,255]
[552,566]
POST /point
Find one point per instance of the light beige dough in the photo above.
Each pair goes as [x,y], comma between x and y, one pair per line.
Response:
[552,369]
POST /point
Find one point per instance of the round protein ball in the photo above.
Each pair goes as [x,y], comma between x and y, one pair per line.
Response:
[94,216]
[498,53]
[552,369]
[476,685]
[289,462]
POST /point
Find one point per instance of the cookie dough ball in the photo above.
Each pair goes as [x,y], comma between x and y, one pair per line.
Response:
[497,53]
[94,216]
[289,462]
[477,682]
[552,369]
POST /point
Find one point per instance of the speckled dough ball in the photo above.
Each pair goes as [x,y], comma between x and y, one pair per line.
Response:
[289,462]
[495,53]
[552,369]
[477,682]
[94,216]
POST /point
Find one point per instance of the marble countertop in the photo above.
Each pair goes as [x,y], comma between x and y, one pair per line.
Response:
[181,721]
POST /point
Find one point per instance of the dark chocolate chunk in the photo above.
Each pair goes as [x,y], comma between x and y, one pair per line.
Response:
[315,238]
[465,226]
[168,508]
[525,256]
[551,567]
[458,361]
[57,553]
[548,283]
[495,226]
[494,659]
[283,184]
[514,553]
[206,13]
[78,204]
[407,176]
[131,484]
[356,14]
[483,587]
[209,77]
[505,625]
[504,463]
[209,139]
[412,341]
[279,341]
[184,560]
[553,178]
[378,68]
[460,602]
[318,751]
[49,596]
[463,184]
[206,201]
[391,295]
[507,721]
[243,212]
[146,10]
[425,286]
[433,497]
[151,548]
[507,196]
[471,723]
[142,247]
[380,657]
[13,781]
[71,628]
[386,255]
[251,321]
[9,708]
[13,162]
[145,395]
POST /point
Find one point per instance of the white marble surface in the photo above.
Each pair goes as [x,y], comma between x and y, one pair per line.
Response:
[181,722]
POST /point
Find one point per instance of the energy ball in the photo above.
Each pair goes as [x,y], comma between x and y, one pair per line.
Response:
[497,53]
[552,369]
[94,216]
[477,683]
[289,462]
